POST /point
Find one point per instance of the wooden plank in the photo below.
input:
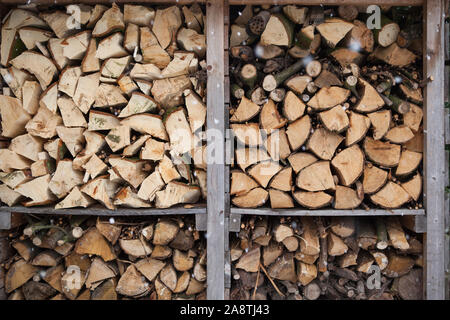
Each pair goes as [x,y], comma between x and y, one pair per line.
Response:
[216,157]
[329,213]
[447,223]
[235,222]
[434,277]
[11,220]
[227,92]
[227,268]
[98,210]
[227,271]
[447,84]
[227,64]
[201,222]
[63,2]
[331,2]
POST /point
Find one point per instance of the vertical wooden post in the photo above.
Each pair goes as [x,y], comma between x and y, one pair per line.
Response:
[216,146]
[434,277]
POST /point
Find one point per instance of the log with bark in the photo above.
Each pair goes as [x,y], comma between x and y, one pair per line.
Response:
[320,258]
[88,258]
[92,114]
[337,105]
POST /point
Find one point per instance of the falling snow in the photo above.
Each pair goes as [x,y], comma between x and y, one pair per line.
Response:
[355,46]
[307,60]
[7,77]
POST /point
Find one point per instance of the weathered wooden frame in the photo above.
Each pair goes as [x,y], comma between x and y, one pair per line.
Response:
[221,220]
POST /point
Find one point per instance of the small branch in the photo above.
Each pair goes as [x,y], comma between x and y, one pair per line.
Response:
[256,284]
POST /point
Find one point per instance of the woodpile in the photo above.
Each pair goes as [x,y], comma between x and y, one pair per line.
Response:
[326,112]
[319,258]
[109,109]
[82,258]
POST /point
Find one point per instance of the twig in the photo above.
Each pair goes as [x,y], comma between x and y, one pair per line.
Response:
[52,226]
[271,281]
[256,284]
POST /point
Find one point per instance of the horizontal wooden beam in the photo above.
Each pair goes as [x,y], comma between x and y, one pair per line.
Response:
[331,2]
[101,211]
[329,213]
[64,2]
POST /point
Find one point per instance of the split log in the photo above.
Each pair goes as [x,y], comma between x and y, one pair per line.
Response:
[391,196]
[394,55]
[349,164]
[346,198]
[103,280]
[93,242]
[382,153]
[18,274]
[312,200]
[278,31]
[283,268]
[254,198]
[396,234]
[409,161]
[334,30]
[327,98]
[335,119]
[316,177]
[381,121]
[413,187]
[132,283]
[111,20]
[298,131]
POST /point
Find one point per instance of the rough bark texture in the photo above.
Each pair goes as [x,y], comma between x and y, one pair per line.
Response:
[131,269]
[341,103]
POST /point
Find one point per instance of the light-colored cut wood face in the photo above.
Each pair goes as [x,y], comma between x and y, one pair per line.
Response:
[107,109]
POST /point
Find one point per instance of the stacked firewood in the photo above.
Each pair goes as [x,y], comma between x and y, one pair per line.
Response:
[317,258]
[80,259]
[103,104]
[325,111]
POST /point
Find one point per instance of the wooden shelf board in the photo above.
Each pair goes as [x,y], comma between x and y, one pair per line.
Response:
[101,211]
[329,213]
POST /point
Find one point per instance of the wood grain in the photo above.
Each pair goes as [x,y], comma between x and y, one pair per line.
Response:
[216,128]
[102,211]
